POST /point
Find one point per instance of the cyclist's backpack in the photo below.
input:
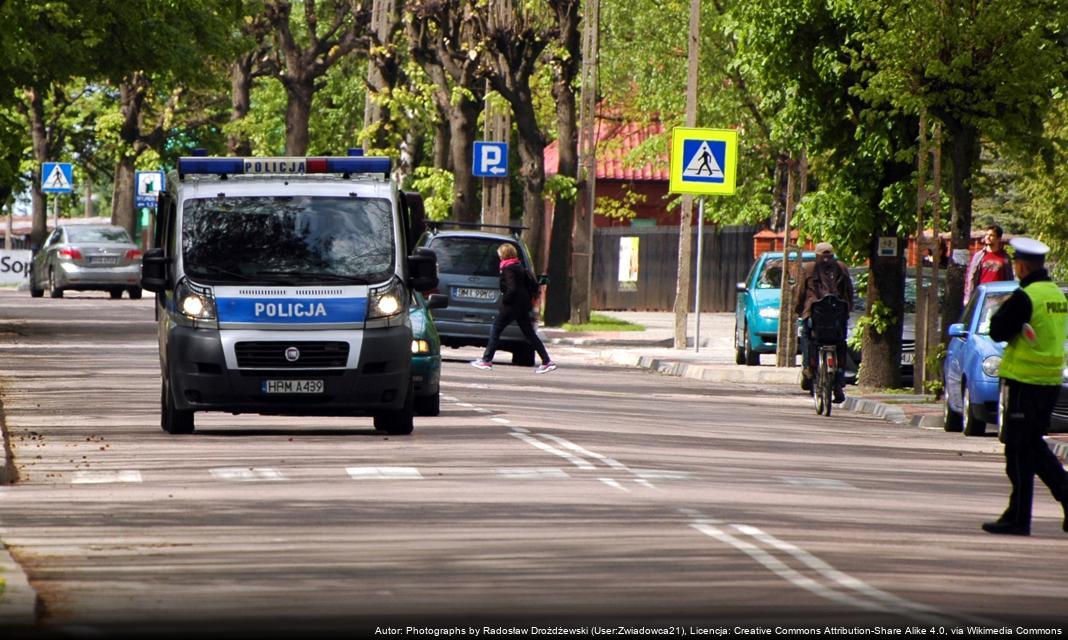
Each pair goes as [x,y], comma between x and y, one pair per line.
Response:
[828,317]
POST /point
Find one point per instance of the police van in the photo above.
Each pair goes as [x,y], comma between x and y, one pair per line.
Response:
[282,287]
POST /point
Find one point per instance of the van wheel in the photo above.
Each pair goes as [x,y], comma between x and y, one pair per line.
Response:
[53,290]
[752,358]
[115,294]
[428,405]
[523,357]
[135,293]
[400,422]
[34,291]
[172,420]
[972,426]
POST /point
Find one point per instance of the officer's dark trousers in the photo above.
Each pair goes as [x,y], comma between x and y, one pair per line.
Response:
[1025,421]
[521,317]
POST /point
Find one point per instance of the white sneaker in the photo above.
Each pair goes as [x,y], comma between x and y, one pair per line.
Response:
[481,364]
[545,368]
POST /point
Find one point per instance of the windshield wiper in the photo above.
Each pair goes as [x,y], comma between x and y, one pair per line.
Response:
[210,269]
[304,276]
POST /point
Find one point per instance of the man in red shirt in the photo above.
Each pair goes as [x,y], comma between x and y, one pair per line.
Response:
[992,264]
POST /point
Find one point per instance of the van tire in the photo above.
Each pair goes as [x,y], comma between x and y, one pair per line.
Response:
[428,405]
[400,422]
[173,421]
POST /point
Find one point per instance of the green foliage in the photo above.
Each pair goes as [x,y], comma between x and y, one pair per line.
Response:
[620,208]
[879,320]
[436,185]
[601,322]
[560,187]
[936,356]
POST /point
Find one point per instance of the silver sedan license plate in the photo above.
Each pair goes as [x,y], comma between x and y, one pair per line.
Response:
[475,294]
[292,386]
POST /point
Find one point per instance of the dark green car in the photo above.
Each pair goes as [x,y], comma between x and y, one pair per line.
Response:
[426,354]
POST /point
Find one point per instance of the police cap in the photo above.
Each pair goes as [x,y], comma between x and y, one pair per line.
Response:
[1029,249]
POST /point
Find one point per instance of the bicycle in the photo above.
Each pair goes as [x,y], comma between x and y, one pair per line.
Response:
[828,328]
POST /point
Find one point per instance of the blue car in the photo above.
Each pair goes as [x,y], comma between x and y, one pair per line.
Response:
[756,316]
[426,353]
[970,370]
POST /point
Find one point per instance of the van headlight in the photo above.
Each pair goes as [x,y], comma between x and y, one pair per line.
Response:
[195,302]
[386,301]
[991,364]
[769,312]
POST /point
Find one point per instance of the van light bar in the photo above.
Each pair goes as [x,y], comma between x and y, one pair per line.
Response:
[284,166]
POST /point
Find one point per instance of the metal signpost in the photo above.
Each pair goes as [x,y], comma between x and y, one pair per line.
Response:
[703,162]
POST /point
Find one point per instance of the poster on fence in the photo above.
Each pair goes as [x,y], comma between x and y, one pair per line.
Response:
[628,263]
[14,266]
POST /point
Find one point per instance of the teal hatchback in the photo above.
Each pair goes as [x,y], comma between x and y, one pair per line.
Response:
[756,315]
[426,354]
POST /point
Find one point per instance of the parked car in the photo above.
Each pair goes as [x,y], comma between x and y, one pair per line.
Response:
[756,314]
[469,277]
[85,258]
[970,370]
[426,353]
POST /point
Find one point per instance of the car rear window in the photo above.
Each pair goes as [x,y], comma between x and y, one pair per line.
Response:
[467,256]
[97,234]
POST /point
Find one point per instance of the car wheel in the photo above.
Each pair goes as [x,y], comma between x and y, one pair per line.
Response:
[135,293]
[173,421]
[35,292]
[972,425]
[400,422]
[53,290]
[523,357]
[428,405]
[739,350]
[115,294]
[951,420]
[752,358]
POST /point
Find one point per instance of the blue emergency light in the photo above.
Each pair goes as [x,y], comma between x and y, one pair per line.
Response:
[346,166]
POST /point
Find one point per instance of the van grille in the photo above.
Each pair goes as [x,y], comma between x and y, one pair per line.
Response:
[273,354]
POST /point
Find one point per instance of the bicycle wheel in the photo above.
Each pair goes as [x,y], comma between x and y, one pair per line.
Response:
[828,383]
[821,381]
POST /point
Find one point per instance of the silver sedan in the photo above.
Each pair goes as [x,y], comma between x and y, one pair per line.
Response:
[87,257]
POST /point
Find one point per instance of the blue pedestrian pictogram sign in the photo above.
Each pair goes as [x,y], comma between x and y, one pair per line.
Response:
[57,177]
[490,160]
[703,161]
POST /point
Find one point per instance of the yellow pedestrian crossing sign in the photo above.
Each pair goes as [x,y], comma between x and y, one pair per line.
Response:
[703,161]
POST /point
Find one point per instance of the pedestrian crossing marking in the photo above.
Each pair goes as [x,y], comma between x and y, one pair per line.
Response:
[536,473]
[246,474]
[384,473]
[105,477]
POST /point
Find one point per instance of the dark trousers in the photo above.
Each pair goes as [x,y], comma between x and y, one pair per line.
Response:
[810,353]
[521,317]
[1025,420]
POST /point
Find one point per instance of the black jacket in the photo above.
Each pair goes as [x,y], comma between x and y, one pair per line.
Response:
[514,291]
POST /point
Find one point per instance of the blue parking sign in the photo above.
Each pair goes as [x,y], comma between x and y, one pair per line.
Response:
[490,160]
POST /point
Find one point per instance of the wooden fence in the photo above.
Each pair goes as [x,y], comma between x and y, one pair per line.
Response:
[647,279]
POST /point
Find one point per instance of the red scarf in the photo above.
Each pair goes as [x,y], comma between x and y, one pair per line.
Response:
[509,262]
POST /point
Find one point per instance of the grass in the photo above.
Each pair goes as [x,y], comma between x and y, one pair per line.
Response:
[601,322]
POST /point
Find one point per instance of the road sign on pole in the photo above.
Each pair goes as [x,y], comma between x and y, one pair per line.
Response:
[57,177]
[491,160]
[149,184]
[703,161]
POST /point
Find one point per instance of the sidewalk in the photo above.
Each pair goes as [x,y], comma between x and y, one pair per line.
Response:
[713,361]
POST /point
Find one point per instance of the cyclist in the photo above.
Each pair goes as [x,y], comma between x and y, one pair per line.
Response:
[825,276]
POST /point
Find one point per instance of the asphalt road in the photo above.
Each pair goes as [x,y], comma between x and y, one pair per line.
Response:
[591,495]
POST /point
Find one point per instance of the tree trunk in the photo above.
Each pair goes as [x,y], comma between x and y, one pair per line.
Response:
[531,176]
[298,112]
[881,352]
[442,144]
[463,126]
[39,137]
[964,152]
[240,101]
[122,196]
[558,295]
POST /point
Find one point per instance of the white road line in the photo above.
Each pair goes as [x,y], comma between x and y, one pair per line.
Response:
[104,477]
[578,462]
[614,484]
[919,611]
[501,420]
[466,405]
[384,473]
[782,570]
[661,474]
[645,483]
[615,464]
[247,474]
[449,398]
[520,430]
[532,473]
[481,410]
[816,483]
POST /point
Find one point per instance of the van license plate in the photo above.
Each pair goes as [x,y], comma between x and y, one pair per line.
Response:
[292,386]
[475,294]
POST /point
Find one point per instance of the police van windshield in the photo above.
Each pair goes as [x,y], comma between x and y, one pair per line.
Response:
[288,239]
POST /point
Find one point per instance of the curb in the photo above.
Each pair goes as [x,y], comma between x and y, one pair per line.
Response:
[17,598]
[724,373]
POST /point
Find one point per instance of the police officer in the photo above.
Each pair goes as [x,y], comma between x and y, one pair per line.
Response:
[1033,320]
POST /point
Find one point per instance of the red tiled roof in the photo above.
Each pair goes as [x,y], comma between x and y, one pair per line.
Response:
[615,140]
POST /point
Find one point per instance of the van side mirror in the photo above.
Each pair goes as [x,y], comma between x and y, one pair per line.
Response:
[154,268]
[423,270]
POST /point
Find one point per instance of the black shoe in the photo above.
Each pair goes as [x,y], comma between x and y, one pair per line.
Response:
[839,395]
[1007,528]
[806,384]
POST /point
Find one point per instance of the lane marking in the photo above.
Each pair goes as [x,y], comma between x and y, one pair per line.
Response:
[615,464]
[520,430]
[105,477]
[243,474]
[661,474]
[448,398]
[646,483]
[501,420]
[614,484]
[532,473]
[466,405]
[578,462]
[481,410]
[816,483]
[384,473]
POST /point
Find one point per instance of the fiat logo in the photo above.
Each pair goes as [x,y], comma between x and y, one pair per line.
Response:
[292,354]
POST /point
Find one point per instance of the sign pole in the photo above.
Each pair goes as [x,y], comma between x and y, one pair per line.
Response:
[697,281]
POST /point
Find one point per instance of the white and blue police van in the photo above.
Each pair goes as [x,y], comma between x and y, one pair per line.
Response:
[282,287]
